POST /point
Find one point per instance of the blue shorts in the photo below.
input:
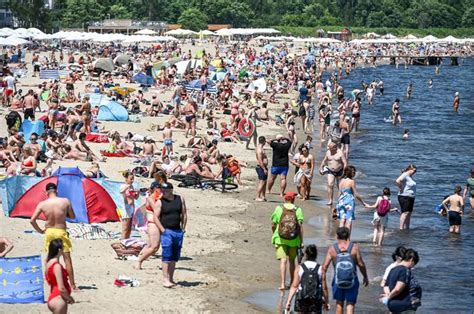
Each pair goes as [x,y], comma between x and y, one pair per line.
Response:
[279,171]
[348,295]
[261,174]
[171,243]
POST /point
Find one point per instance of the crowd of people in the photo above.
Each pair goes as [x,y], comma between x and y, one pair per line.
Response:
[294,90]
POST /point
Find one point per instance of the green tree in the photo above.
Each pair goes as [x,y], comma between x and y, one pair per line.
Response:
[468,18]
[120,11]
[193,19]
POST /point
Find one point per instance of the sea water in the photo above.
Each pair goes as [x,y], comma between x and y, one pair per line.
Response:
[441,145]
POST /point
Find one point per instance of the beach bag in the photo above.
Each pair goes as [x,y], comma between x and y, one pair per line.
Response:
[383,208]
[415,291]
[13,119]
[288,227]
[345,271]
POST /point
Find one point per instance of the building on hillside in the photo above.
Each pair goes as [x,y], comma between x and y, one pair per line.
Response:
[128,27]
[211,27]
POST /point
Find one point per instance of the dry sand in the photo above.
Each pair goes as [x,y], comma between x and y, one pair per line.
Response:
[226,254]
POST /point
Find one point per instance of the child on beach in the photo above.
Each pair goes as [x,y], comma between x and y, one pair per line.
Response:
[129,196]
[167,139]
[383,206]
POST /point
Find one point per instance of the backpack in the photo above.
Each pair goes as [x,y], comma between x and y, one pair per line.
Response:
[311,286]
[384,207]
[288,228]
[415,291]
[13,119]
[344,269]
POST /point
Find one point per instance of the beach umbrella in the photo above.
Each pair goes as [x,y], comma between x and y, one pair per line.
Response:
[183,66]
[105,64]
[122,59]
[389,36]
[146,31]
[449,39]
[207,33]
[16,41]
[224,32]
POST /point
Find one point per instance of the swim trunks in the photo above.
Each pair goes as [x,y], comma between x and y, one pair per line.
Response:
[29,113]
[168,142]
[279,171]
[54,233]
[356,115]
[261,174]
[348,295]
[454,218]
[171,244]
[346,139]
[285,251]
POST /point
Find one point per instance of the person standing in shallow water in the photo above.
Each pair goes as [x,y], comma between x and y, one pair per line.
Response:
[470,188]
[406,195]
[455,210]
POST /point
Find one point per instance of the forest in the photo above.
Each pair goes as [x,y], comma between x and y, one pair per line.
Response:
[288,14]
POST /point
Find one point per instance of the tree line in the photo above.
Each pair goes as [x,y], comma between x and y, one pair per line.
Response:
[196,14]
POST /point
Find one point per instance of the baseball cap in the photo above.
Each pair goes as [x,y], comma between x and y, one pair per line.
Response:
[155,185]
[290,196]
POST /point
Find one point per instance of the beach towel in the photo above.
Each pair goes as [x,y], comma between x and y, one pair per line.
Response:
[21,280]
[119,154]
[89,232]
[97,138]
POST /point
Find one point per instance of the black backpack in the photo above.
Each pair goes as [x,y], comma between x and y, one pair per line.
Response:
[311,286]
[13,119]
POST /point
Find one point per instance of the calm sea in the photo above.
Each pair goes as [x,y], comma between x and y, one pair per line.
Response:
[442,148]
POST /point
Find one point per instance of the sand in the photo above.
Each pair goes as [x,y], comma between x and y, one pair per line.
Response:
[227,251]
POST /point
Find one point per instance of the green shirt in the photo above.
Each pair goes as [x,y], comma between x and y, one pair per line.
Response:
[276,216]
[470,185]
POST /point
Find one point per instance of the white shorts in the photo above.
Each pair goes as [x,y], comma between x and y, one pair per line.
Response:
[383,221]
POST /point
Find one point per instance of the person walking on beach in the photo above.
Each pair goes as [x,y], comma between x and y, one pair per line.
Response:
[261,169]
[311,292]
[401,291]
[383,206]
[346,258]
[280,162]
[406,195]
[57,277]
[287,227]
[304,176]
[152,216]
[455,210]
[333,164]
[355,108]
[456,102]
[172,213]
[470,188]
[345,207]
[129,196]
[56,209]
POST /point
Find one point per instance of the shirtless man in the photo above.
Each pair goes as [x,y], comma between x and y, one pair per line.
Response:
[149,148]
[56,209]
[5,246]
[355,108]
[346,136]
[199,169]
[335,161]
[28,105]
[455,210]
[81,146]
[168,138]
[456,102]
[74,122]
[263,113]
[262,169]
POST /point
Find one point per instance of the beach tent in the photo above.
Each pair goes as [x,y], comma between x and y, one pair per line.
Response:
[29,127]
[112,111]
[260,85]
[449,39]
[429,38]
[90,201]
[389,36]
[122,59]
[196,85]
[180,32]
[104,64]
[146,31]
[143,79]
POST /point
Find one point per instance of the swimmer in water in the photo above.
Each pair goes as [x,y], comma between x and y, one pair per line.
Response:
[409,91]
[430,83]
[456,102]
[406,134]
[455,210]
[437,70]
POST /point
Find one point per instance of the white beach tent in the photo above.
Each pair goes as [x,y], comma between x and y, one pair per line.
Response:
[6,31]
[180,32]
[429,39]
[16,40]
[224,32]
[146,31]
[389,36]
[449,39]
[207,33]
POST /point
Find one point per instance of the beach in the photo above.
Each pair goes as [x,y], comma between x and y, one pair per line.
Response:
[228,263]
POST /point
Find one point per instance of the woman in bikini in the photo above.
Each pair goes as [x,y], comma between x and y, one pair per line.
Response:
[304,176]
[152,229]
[190,115]
[57,277]
[28,165]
